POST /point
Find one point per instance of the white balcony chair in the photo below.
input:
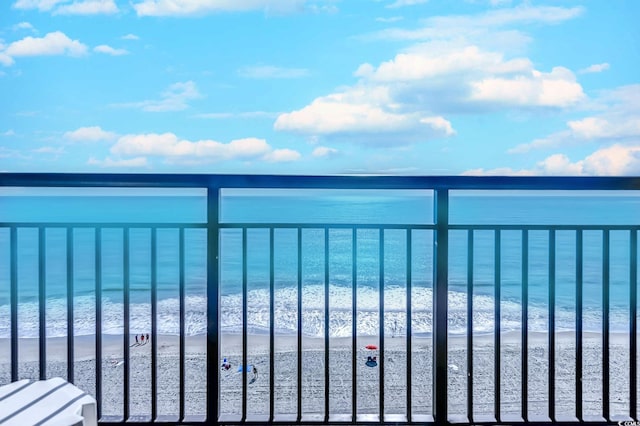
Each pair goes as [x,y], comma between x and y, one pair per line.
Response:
[53,402]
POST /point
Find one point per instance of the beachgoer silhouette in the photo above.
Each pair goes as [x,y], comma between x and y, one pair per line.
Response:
[226,365]
[142,338]
[255,375]
[147,337]
[137,339]
[371,361]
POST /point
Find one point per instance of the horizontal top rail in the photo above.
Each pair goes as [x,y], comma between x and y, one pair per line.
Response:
[318,182]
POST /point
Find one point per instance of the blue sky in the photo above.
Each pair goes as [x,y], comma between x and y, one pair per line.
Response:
[320,86]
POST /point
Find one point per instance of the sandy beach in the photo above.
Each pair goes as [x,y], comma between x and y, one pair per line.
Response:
[285,355]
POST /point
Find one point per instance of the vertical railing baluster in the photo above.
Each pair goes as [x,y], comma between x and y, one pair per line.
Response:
[496,322]
[440,301]
[181,296]
[579,303]
[126,260]
[326,325]
[272,326]
[470,325]
[552,325]
[98,290]
[633,324]
[381,322]
[70,311]
[299,326]
[354,324]
[525,326]
[154,324]
[213,304]
[42,303]
[605,324]
[409,320]
[245,365]
[14,302]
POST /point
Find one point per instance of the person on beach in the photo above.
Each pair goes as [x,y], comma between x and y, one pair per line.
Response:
[371,361]
[255,375]
[137,343]
[226,365]
[142,339]
[147,337]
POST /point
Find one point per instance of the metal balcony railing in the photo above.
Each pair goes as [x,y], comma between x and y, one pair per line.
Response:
[439,233]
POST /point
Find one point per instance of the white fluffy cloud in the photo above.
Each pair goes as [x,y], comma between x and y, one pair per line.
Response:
[108,50]
[595,68]
[324,151]
[175,98]
[41,5]
[88,7]
[362,114]
[615,160]
[201,7]
[408,98]
[558,88]
[89,134]
[55,43]
[176,150]
[619,122]
[69,7]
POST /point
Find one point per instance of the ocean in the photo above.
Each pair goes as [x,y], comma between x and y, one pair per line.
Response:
[339,207]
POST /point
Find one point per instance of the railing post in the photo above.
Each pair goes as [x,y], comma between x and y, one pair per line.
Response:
[440,280]
[213,305]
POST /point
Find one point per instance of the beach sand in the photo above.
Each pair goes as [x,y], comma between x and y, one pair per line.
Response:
[340,359]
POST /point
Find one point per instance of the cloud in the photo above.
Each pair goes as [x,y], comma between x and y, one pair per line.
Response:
[55,43]
[130,37]
[455,67]
[267,72]
[595,68]
[501,27]
[89,134]
[24,26]
[362,114]
[182,151]
[323,151]
[282,155]
[619,121]
[402,3]
[615,160]
[41,5]
[558,88]
[203,7]
[175,98]
[88,7]
[9,132]
[66,7]
[108,50]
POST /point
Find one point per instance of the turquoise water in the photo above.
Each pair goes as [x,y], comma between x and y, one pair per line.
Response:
[335,207]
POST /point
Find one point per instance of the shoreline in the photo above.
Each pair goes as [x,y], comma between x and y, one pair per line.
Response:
[340,359]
